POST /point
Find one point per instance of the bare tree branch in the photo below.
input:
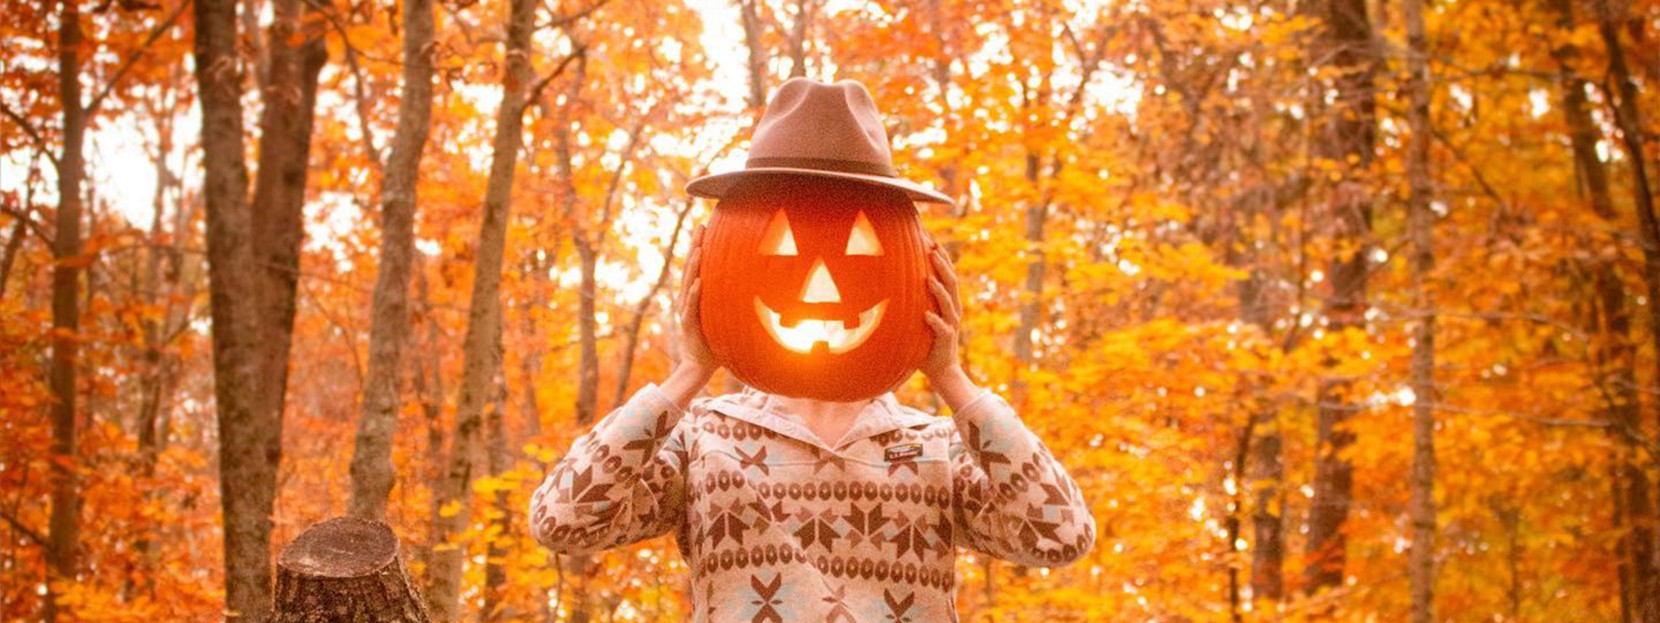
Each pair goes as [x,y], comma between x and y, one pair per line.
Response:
[535,92]
[40,141]
[23,529]
[561,21]
[617,174]
[29,221]
[155,33]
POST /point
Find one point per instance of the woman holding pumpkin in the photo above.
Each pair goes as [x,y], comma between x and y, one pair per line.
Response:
[815,495]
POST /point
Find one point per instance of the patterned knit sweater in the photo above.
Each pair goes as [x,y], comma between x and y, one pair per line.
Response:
[780,526]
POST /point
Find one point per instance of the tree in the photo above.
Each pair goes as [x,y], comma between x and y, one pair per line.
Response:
[1346,40]
[372,471]
[1420,225]
[482,345]
[66,249]
[1641,508]
[253,260]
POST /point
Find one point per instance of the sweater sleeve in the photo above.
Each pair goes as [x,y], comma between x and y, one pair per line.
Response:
[1012,499]
[622,482]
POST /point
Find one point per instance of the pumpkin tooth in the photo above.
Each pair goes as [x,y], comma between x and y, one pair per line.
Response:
[812,335]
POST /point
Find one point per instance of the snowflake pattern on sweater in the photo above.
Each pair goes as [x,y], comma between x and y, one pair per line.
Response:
[778,525]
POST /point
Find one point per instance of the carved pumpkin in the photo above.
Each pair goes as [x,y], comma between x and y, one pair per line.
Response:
[816,288]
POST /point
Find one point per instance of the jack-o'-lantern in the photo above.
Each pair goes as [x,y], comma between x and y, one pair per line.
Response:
[816,287]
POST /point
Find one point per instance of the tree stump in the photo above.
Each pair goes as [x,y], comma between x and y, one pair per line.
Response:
[346,570]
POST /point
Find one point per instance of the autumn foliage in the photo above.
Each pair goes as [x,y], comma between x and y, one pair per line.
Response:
[1183,230]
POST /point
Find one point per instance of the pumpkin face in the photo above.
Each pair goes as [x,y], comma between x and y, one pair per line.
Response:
[816,288]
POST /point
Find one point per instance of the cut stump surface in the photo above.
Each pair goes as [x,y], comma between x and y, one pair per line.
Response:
[346,570]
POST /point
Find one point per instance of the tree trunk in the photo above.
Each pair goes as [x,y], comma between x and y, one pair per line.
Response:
[1345,38]
[253,253]
[1258,462]
[1640,508]
[750,12]
[798,37]
[372,471]
[1031,295]
[1615,359]
[580,566]
[346,570]
[161,368]
[1511,516]
[1233,523]
[497,462]
[535,276]
[1268,553]
[427,381]
[297,56]
[482,344]
[65,522]
[14,243]
[1616,480]
[587,389]
[231,267]
[1420,225]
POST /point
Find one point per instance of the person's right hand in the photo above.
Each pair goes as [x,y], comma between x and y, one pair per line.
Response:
[697,363]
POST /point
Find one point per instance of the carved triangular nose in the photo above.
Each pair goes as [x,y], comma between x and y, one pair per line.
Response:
[820,287]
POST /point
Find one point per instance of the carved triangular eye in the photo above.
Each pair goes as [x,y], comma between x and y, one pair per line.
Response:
[778,239]
[863,239]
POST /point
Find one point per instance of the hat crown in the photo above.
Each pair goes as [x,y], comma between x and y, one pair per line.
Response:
[825,126]
[822,130]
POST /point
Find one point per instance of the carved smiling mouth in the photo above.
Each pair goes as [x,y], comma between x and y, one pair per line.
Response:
[808,332]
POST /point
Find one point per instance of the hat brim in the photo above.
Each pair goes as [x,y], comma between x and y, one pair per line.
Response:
[716,186]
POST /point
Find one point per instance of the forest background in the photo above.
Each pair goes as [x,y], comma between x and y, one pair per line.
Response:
[1335,309]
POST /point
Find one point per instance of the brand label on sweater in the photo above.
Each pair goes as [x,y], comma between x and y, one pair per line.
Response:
[904,452]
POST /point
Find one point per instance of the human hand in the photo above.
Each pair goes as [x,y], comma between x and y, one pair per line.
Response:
[697,363]
[942,367]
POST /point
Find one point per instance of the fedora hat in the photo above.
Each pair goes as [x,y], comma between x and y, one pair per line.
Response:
[823,130]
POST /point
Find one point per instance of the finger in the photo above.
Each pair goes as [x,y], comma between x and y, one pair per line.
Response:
[694,262]
[689,315]
[943,299]
[952,284]
[941,329]
[942,265]
[948,308]
[942,268]
[689,273]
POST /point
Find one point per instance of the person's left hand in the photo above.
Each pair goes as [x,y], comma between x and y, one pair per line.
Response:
[942,367]
[942,282]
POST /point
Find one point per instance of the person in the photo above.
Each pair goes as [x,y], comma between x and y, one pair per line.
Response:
[797,509]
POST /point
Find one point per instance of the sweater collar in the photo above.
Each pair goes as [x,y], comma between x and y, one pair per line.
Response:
[881,415]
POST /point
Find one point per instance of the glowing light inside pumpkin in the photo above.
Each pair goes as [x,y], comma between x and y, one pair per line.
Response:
[863,239]
[778,239]
[820,287]
[808,332]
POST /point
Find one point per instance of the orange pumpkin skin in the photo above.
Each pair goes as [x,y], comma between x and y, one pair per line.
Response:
[743,283]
